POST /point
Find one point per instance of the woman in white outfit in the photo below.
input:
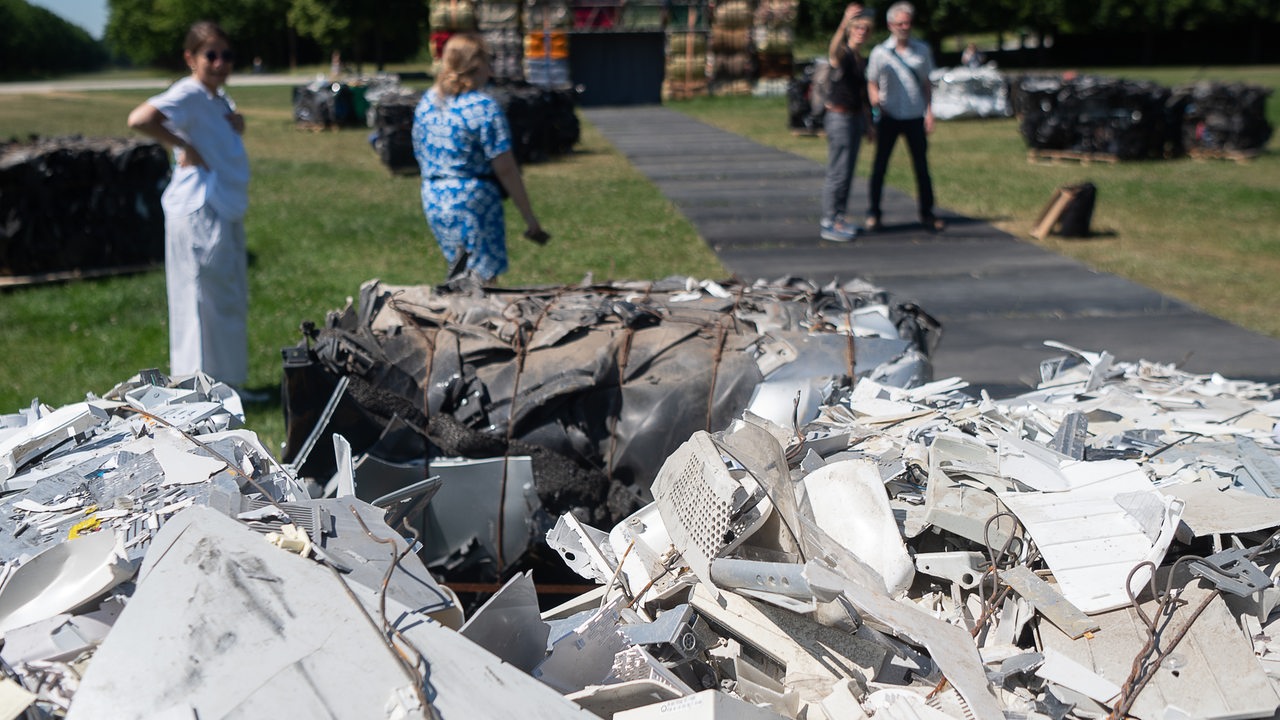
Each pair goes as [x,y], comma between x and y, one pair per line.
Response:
[204,207]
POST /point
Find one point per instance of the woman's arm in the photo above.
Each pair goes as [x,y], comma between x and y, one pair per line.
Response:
[508,173]
[149,121]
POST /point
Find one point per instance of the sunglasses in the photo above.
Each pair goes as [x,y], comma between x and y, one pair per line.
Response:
[212,56]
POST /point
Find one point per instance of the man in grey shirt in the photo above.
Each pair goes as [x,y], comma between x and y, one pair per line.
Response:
[898,86]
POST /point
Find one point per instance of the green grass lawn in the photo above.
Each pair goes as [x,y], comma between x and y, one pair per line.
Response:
[325,217]
[1207,232]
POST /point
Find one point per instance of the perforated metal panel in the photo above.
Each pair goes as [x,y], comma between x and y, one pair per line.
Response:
[706,510]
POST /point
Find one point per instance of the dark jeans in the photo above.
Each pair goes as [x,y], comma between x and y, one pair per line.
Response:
[887,132]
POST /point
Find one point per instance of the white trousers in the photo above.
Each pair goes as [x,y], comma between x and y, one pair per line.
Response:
[206,271]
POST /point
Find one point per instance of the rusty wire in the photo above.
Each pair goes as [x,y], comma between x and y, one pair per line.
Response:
[389,632]
[522,350]
[1141,673]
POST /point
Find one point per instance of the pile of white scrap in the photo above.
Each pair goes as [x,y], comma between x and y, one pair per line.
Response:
[1104,545]
[158,562]
[962,92]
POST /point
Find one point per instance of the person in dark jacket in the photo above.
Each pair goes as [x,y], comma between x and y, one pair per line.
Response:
[847,120]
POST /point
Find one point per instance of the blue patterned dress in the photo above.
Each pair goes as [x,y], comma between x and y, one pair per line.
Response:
[454,143]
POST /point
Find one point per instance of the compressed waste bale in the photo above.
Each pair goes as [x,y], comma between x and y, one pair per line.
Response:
[543,124]
[961,92]
[325,104]
[77,203]
[596,384]
[543,121]
[1222,117]
[1093,115]
[393,130]
[806,97]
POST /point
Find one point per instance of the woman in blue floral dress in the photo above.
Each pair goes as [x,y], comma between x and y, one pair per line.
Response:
[463,145]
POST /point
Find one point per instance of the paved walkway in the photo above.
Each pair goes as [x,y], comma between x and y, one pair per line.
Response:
[998,297]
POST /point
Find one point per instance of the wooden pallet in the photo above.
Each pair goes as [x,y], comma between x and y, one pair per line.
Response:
[8,281]
[1054,157]
[1240,156]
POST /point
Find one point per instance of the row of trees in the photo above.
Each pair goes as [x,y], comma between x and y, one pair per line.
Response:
[286,32]
[941,18]
[281,32]
[36,42]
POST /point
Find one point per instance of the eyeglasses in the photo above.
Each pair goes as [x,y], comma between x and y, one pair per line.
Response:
[904,23]
[212,56]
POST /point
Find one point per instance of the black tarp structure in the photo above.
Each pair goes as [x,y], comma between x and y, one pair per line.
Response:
[599,384]
[76,204]
[1139,120]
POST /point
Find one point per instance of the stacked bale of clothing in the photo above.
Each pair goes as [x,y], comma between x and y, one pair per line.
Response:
[686,66]
[499,23]
[596,15]
[643,15]
[76,204]
[1123,119]
[546,43]
[774,34]
[1227,119]
[732,60]
[449,17]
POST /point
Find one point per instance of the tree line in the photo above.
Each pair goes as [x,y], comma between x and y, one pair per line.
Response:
[280,32]
[36,42]
[284,33]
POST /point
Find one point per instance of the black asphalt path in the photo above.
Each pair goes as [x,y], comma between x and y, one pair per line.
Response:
[998,297]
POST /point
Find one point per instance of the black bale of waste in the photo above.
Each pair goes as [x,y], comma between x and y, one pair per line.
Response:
[543,124]
[1221,117]
[77,203]
[803,113]
[393,131]
[543,121]
[325,104]
[1121,118]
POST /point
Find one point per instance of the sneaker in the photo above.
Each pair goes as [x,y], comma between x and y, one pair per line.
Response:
[839,231]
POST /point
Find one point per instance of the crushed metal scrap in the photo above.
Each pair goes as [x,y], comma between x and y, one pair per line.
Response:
[1102,546]
[596,384]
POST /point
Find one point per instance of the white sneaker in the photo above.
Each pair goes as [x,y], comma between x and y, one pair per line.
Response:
[839,231]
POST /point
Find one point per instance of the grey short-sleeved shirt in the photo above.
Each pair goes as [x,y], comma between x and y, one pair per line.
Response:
[901,96]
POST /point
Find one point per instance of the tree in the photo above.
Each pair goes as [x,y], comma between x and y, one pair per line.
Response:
[37,42]
[150,32]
